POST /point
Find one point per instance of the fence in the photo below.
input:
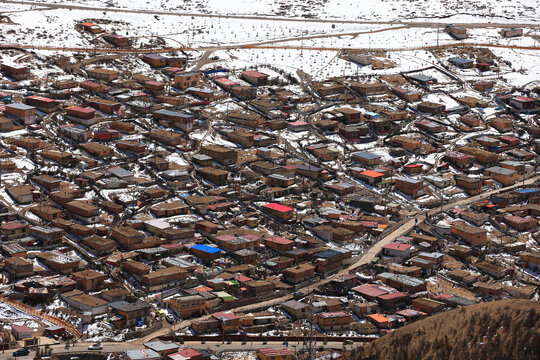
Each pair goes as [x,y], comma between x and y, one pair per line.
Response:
[80,354]
[40,314]
[411,48]
[144,332]
[257,301]
[273,338]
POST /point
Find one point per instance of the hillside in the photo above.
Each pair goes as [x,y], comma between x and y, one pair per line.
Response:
[507,329]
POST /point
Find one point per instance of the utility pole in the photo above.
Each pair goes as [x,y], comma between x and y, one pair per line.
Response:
[312,342]
[437,37]
[302,44]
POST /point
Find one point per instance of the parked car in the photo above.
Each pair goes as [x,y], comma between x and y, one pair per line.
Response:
[298,295]
[96,346]
[169,318]
[21,352]
[34,127]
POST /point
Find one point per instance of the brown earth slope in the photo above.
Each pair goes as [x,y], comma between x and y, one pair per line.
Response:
[506,329]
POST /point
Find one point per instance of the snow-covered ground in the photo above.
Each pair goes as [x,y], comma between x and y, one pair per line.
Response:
[373,10]
[38,26]
[34,25]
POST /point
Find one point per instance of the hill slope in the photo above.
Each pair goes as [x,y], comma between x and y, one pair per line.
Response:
[507,329]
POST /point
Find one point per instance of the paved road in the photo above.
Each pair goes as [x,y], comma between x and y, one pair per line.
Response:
[422,23]
[213,346]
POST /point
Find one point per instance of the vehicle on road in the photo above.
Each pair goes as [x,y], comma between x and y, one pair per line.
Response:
[96,346]
[21,352]
[298,295]
[160,314]
[169,318]
[34,127]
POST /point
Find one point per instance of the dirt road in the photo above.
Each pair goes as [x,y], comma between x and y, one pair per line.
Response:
[213,346]
[248,46]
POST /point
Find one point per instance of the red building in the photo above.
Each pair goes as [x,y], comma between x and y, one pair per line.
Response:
[42,103]
[81,112]
[255,77]
[280,211]
[522,103]
[279,243]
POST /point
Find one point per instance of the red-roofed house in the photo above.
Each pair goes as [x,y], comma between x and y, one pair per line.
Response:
[280,211]
[255,77]
[225,83]
[90,27]
[275,354]
[42,103]
[279,243]
[228,321]
[242,278]
[393,299]
[412,169]
[12,231]
[186,353]
[81,112]
[334,320]
[298,126]
[522,102]
[371,177]
[381,321]
[397,249]
[520,223]
[21,331]
[369,291]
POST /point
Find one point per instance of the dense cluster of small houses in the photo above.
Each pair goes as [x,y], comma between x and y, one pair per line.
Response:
[170,188]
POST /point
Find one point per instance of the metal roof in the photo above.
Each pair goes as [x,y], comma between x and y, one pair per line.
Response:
[500,170]
[20,106]
[366,155]
[404,279]
[457,60]
[206,248]
[142,354]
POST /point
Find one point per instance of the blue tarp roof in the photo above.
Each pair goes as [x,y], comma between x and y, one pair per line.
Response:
[215,71]
[206,248]
[526,191]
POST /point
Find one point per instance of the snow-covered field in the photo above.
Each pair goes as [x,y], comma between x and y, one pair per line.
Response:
[403,10]
[44,26]
[34,25]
